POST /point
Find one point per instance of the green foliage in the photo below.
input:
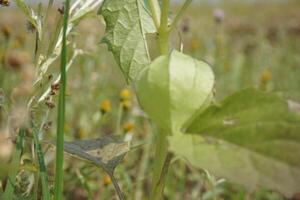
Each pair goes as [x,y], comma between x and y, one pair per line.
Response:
[251,138]
[127,23]
[256,120]
[42,166]
[174,88]
[61,108]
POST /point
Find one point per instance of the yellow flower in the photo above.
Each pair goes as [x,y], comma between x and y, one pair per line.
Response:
[194,44]
[80,134]
[265,77]
[127,127]
[106,180]
[105,106]
[125,104]
[67,128]
[124,94]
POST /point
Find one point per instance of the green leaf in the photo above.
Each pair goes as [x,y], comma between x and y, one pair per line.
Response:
[255,120]
[127,23]
[236,164]
[173,89]
[254,140]
[105,152]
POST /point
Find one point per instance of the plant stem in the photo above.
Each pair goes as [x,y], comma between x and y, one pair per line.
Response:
[42,166]
[163,31]
[116,186]
[161,143]
[143,167]
[180,13]
[161,150]
[155,12]
[61,111]
[119,120]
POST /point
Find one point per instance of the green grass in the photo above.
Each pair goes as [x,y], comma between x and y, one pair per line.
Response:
[58,195]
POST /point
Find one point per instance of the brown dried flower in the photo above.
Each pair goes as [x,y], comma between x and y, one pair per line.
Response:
[4,3]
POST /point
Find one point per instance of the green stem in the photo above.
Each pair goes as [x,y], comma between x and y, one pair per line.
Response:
[180,14]
[5,48]
[42,166]
[155,12]
[163,31]
[9,189]
[116,186]
[119,120]
[61,110]
[160,160]
[143,168]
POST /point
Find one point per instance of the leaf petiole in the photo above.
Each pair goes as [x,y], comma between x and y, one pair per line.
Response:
[180,14]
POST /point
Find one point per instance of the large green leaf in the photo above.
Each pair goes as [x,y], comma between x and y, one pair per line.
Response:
[173,88]
[127,23]
[237,164]
[255,120]
[254,128]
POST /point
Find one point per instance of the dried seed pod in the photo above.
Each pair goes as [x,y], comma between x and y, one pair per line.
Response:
[55,86]
[50,104]
[5,3]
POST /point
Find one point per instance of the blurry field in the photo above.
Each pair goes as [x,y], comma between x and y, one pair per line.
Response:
[253,45]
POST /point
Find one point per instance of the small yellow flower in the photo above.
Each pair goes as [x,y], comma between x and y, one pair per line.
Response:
[67,128]
[6,31]
[265,77]
[106,180]
[127,127]
[126,104]
[105,106]
[195,44]
[124,94]
[80,134]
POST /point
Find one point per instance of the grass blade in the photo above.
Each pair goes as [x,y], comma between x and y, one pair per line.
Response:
[42,166]
[61,110]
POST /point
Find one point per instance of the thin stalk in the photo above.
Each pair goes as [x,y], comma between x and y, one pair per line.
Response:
[9,189]
[42,167]
[36,185]
[61,110]
[116,186]
[143,168]
[161,143]
[161,151]
[163,31]
[43,41]
[119,120]
[5,48]
[155,12]
[180,14]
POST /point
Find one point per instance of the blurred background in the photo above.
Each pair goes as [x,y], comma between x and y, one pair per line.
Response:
[249,43]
